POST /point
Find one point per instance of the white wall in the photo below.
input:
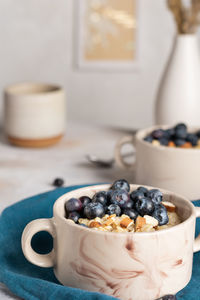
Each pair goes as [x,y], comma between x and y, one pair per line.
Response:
[37,43]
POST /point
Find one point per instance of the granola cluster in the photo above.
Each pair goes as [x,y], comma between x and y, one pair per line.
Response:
[124,223]
[122,209]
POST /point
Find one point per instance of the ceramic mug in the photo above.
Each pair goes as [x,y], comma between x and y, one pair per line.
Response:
[139,266]
[34,114]
[171,168]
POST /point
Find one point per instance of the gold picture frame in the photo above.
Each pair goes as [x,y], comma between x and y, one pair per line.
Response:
[108,34]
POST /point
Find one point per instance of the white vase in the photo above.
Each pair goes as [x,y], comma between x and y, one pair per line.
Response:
[178,98]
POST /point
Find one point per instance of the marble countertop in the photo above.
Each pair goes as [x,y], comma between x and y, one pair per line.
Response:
[27,172]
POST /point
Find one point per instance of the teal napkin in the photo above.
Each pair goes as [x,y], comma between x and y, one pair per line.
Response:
[34,283]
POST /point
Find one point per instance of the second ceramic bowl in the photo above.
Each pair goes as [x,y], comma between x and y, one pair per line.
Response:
[175,169]
[139,266]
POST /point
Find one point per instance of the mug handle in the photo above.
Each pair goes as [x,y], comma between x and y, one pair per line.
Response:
[41,260]
[119,157]
[197,240]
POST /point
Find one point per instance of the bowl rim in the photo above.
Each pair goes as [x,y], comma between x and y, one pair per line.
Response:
[16,89]
[70,223]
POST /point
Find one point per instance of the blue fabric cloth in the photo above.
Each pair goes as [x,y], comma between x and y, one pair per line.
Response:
[34,283]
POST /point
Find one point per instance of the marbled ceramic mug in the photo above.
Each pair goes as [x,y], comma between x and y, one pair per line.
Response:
[139,266]
[174,169]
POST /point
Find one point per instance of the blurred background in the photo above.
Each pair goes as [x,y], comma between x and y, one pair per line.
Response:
[40,41]
[109,57]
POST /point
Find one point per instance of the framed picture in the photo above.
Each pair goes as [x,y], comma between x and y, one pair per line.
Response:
[107,34]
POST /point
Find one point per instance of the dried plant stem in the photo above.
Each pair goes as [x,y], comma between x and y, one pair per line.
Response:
[187,18]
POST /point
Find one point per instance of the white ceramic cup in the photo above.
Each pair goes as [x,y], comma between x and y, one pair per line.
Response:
[34,114]
[175,169]
[139,266]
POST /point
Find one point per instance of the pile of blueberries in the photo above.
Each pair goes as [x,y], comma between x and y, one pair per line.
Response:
[178,134]
[117,200]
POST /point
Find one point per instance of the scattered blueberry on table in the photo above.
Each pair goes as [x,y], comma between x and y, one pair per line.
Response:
[130,208]
[58,182]
[177,136]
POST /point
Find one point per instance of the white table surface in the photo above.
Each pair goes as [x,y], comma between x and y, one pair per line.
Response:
[27,172]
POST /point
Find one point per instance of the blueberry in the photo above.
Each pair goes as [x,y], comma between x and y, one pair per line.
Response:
[108,194]
[164,141]
[74,215]
[58,182]
[121,184]
[93,210]
[198,133]
[73,204]
[179,142]
[169,132]
[180,131]
[114,209]
[148,138]
[120,197]
[132,213]
[160,213]
[180,126]
[129,204]
[105,207]
[85,200]
[144,206]
[158,133]
[192,138]
[155,195]
[143,190]
[180,134]
[136,195]
[100,197]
